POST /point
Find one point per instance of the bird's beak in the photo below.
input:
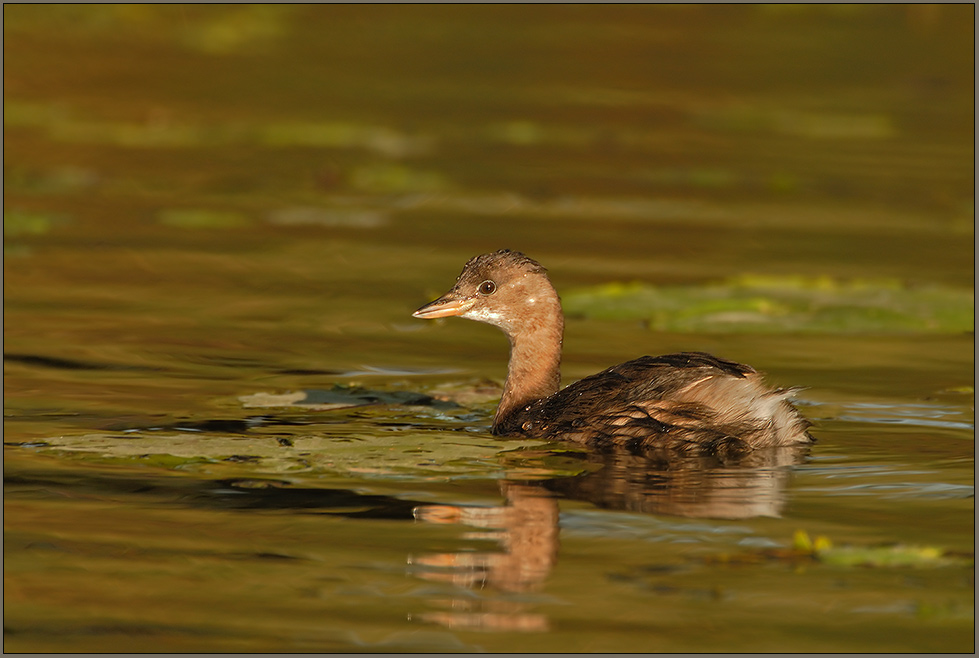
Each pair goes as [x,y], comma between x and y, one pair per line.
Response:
[445,306]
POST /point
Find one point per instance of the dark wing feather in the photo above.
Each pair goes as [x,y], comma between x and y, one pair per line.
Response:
[690,401]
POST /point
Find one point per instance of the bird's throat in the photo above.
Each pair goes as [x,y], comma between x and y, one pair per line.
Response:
[534,371]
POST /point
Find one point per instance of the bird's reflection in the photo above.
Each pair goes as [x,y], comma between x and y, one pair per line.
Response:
[703,486]
[526,526]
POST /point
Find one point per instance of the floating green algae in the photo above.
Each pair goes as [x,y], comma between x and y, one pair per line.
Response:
[357,450]
[61,123]
[18,223]
[887,555]
[753,303]
[820,550]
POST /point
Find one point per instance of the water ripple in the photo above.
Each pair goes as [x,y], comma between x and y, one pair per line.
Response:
[914,414]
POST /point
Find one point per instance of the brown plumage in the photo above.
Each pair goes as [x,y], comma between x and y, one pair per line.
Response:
[688,402]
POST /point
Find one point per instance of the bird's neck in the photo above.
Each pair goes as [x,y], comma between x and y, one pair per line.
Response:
[534,371]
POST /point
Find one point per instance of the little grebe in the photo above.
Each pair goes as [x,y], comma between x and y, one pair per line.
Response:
[688,402]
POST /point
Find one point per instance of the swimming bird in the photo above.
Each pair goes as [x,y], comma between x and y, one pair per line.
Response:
[688,402]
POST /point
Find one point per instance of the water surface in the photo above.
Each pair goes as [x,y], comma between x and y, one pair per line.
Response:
[223,431]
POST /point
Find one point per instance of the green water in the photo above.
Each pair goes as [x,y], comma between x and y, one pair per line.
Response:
[223,431]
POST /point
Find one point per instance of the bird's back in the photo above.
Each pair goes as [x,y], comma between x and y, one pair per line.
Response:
[685,402]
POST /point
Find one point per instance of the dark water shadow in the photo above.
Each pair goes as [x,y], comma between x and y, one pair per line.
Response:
[291,410]
[244,494]
[59,363]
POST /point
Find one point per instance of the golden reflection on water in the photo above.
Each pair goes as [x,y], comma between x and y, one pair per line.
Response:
[205,205]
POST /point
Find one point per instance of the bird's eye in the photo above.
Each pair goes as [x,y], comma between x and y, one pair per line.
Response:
[487,288]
